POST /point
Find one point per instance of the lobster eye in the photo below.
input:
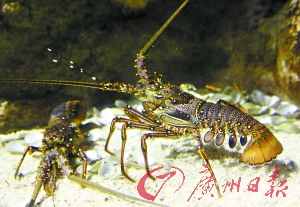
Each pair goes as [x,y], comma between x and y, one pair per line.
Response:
[167,92]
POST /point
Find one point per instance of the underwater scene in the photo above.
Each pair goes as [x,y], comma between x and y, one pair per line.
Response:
[149,103]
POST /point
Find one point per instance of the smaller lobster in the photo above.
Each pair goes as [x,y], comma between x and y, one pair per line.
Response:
[62,141]
[171,113]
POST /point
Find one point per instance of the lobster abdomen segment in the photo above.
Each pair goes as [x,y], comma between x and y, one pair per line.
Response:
[262,146]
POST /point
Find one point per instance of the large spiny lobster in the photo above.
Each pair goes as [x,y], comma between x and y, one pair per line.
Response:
[171,113]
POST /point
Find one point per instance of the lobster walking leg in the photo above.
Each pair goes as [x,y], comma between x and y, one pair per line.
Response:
[84,164]
[144,145]
[135,117]
[37,188]
[30,149]
[124,139]
[205,158]
[139,120]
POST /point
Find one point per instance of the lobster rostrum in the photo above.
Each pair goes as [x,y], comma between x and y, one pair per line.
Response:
[171,113]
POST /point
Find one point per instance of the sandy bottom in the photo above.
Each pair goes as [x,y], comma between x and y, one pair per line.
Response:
[180,153]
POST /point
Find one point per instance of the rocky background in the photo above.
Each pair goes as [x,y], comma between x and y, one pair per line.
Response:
[254,43]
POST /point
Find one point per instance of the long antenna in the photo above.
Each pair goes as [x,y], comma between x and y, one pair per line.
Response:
[107,86]
[72,64]
[158,33]
[110,191]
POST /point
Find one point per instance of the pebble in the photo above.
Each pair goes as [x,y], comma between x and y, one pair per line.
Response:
[106,169]
[16,146]
[34,139]
[286,109]
[95,134]
[91,155]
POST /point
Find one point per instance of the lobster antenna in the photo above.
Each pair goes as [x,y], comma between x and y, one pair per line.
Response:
[145,76]
[73,65]
[110,191]
[36,191]
[160,31]
[106,86]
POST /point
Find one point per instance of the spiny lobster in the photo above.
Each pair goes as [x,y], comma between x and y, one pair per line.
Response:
[62,141]
[171,113]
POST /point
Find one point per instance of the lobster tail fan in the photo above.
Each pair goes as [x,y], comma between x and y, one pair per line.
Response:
[262,148]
